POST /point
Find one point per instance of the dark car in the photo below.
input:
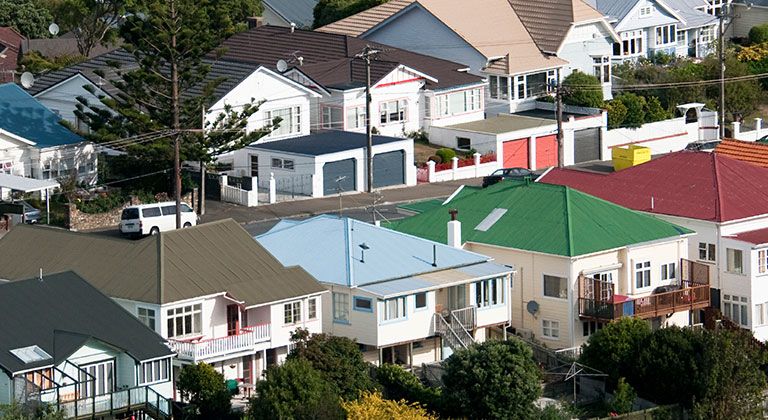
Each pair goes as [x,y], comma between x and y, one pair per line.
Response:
[507,173]
[763,140]
[704,146]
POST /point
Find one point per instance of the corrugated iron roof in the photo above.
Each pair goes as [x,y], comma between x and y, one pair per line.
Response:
[24,116]
[328,247]
[62,312]
[697,185]
[217,257]
[545,218]
[300,12]
[754,237]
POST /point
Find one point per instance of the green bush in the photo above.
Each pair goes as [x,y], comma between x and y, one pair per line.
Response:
[101,204]
[635,109]
[446,154]
[758,34]
[654,111]
[623,398]
[582,90]
[399,384]
[617,113]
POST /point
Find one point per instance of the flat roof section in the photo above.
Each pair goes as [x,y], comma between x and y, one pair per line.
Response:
[501,124]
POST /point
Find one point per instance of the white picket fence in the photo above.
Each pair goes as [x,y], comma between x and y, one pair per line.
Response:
[473,171]
[230,194]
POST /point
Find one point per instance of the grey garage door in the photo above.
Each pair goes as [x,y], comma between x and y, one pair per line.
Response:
[389,169]
[586,145]
[342,171]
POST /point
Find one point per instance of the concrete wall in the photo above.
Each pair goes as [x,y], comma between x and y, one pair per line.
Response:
[661,137]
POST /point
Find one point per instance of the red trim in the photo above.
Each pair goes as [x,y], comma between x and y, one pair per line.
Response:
[647,140]
[399,82]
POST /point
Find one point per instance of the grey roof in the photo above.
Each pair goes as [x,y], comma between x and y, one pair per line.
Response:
[62,46]
[231,73]
[694,18]
[300,12]
[613,9]
[212,258]
[324,142]
[502,123]
[60,314]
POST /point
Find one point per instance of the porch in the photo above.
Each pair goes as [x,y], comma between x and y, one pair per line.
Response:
[597,300]
[246,339]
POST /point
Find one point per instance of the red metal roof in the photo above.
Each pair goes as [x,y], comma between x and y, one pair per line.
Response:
[745,151]
[755,237]
[696,185]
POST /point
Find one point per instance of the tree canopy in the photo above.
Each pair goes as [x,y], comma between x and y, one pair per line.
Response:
[582,89]
[495,379]
[614,347]
[329,11]
[205,390]
[28,17]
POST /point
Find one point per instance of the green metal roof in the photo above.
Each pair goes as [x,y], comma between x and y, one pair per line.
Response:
[546,218]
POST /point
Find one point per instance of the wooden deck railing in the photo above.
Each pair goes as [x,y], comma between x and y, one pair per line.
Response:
[692,296]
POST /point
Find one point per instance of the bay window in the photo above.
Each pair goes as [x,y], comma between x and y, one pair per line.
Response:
[393,111]
[458,102]
[185,320]
[154,371]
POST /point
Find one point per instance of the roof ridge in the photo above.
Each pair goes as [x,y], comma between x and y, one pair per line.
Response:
[160,268]
[568,221]
[718,201]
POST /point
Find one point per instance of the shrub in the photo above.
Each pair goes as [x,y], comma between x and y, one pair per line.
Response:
[398,384]
[623,398]
[614,348]
[102,203]
[582,90]
[419,136]
[654,111]
[758,34]
[445,154]
[617,113]
[206,392]
[371,406]
[635,109]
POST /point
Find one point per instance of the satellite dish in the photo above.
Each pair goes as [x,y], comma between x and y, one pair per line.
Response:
[27,80]
[282,65]
[532,307]
[53,29]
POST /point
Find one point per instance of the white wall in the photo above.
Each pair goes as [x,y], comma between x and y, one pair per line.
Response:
[439,119]
[62,98]
[661,137]
[281,332]
[584,42]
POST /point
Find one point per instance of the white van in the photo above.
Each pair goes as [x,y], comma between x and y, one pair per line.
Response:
[150,219]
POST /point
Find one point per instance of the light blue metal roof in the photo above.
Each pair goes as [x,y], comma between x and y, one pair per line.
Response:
[329,249]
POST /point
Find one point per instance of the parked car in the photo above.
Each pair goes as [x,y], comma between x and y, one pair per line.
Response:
[31,215]
[20,210]
[763,140]
[151,219]
[704,146]
[507,173]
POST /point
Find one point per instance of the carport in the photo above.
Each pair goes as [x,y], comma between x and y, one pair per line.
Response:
[28,185]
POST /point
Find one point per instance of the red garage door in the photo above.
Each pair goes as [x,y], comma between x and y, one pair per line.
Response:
[516,153]
[546,151]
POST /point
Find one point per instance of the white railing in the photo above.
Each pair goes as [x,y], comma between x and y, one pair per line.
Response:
[230,194]
[199,350]
[455,172]
[466,317]
[141,397]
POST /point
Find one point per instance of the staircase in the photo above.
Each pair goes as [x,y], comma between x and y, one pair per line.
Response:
[452,331]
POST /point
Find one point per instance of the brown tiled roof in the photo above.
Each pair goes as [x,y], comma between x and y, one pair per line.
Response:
[62,46]
[548,21]
[745,151]
[10,41]
[329,58]
[359,23]
[479,25]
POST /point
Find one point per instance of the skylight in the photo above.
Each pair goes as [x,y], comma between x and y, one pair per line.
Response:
[31,354]
[490,220]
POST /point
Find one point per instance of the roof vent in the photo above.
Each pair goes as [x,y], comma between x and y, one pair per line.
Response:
[31,354]
[490,220]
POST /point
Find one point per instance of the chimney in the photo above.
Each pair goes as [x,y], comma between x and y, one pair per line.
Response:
[255,21]
[454,230]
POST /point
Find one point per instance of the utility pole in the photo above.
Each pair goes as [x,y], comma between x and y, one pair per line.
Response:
[201,191]
[721,54]
[559,112]
[176,119]
[366,55]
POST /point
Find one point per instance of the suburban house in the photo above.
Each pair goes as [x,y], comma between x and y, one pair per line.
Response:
[523,48]
[685,28]
[723,199]
[410,91]
[214,293]
[404,299]
[745,151]
[581,261]
[746,15]
[10,42]
[66,344]
[326,163]
[300,13]
[35,144]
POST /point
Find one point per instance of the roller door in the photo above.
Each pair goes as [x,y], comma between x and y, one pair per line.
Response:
[546,151]
[586,145]
[389,169]
[342,170]
[516,153]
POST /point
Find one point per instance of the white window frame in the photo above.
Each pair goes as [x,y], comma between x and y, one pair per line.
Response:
[632,43]
[706,35]
[736,308]
[340,303]
[759,317]
[175,315]
[668,32]
[561,295]
[682,40]
[154,371]
[601,66]
[762,261]
[329,123]
[472,100]
[289,125]
[642,275]
[312,309]
[734,260]
[489,292]
[397,108]
[494,87]
[707,252]
[148,317]
[444,102]
[292,313]
[357,115]
[394,309]
[669,271]
[282,163]
[646,11]
[550,329]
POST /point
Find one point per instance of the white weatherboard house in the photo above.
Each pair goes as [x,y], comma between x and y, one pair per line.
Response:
[685,28]
[34,144]
[519,45]
[214,293]
[406,300]
[328,163]
[724,200]
[581,262]
[67,345]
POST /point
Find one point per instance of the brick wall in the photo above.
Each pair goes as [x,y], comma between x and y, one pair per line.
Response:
[77,220]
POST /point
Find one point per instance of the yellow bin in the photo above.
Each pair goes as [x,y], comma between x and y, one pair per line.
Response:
[624,158]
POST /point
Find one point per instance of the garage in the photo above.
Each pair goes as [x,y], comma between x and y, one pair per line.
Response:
[586,145]
[516,153]
[339,175]
[546,151]
[389,169]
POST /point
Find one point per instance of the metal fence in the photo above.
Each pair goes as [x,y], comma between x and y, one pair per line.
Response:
[288,187]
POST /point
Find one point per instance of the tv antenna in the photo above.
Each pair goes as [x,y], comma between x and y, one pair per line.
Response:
[339,190]
[27,80]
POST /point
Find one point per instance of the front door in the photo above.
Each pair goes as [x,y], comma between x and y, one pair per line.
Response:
[233,319]
[457,297]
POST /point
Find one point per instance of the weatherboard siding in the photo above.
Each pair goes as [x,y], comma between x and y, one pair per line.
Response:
[281,332]
[416,325]
[61,98]
[362,326]
[5,388]
[582,44]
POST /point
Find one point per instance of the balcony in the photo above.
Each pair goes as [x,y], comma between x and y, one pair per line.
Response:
[200,350]
[597,299]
